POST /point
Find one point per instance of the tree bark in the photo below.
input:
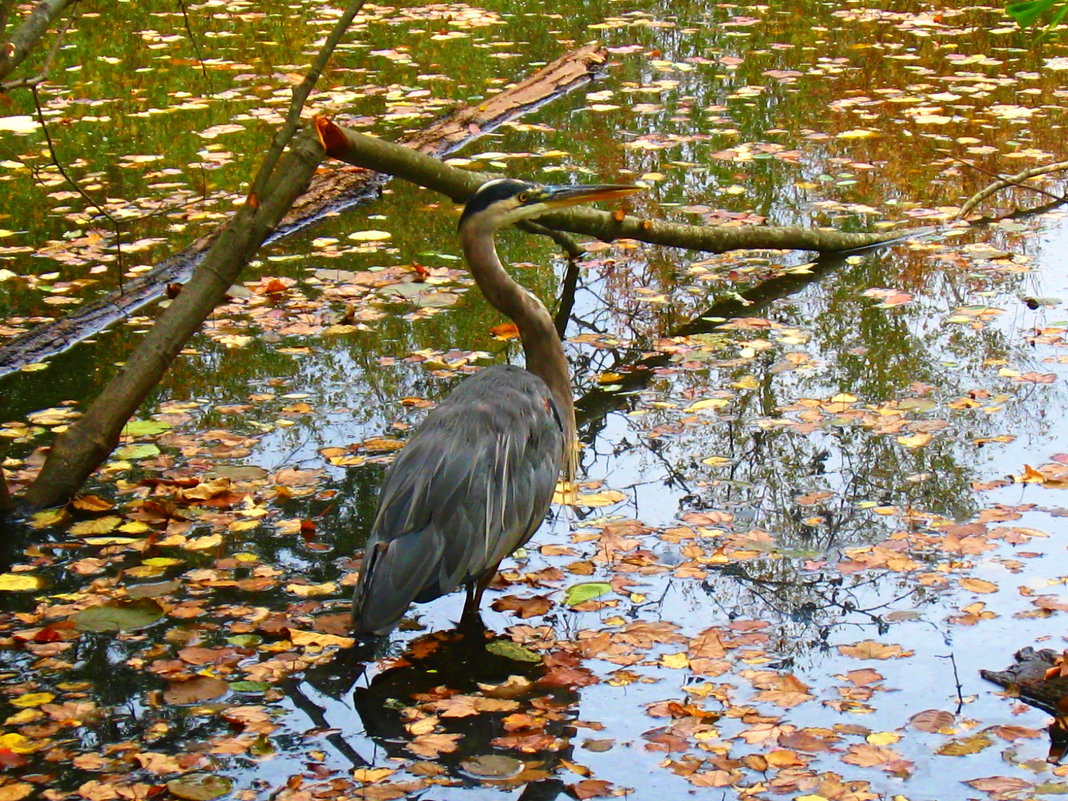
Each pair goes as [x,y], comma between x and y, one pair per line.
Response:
[330,191]
[15,48]
[365,151]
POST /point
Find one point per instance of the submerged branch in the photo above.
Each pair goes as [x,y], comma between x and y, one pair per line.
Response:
[331,191]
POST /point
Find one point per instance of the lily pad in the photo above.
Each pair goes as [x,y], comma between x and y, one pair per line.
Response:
[200,786]
[119,615]
[586,591]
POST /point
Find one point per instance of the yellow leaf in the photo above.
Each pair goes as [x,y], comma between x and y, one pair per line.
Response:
[978,585]
[857,133]
[915,440]
[315,639]
[597,499]
[32,699]
[679,660]
[715,461]
[883,737]
[609,378]
[19,582]
[92,503]
[708,403]
[20,744]
[101,525]
[371,775]
[204,543]
[109,540]
[16,791]
[312,590]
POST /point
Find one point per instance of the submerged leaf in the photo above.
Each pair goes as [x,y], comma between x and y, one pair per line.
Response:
[119,616]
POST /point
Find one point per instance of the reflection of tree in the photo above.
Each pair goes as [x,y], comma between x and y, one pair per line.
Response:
[449,668]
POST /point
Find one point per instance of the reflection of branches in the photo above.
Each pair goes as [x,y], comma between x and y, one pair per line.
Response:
[77,187]
[1013,180]
[596,403]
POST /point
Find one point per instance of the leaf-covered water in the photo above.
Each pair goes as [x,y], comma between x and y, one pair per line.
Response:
[821,494]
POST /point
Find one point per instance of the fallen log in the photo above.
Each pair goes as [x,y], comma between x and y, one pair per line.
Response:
[332,190]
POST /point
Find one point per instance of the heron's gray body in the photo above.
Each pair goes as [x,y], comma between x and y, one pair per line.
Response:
[471,486]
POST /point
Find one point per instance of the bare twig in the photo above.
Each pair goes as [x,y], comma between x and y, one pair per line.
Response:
[300,96]
[1013,180]
[77,187]
[196,45]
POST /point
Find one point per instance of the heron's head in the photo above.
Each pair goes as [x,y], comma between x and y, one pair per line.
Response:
[504,201]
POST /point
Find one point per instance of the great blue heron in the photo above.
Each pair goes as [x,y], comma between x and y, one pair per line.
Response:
[475,480]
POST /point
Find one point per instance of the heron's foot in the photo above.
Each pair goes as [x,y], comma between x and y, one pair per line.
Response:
[471,624]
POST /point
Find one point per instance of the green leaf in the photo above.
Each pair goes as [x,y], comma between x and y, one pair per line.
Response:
[250,687]
[200,786]
[144,428]
[141,450]
[511,650]
[587,591]
[1027,13]
[119,615]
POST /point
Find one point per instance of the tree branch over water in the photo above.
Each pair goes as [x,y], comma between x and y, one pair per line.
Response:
[15,48]
[78,450]
[376,154]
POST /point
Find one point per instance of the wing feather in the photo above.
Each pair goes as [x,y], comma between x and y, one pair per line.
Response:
[471,486]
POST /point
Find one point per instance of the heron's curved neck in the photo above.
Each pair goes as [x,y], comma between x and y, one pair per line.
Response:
[541,346]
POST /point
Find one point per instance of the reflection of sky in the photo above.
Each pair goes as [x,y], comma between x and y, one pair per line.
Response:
[354,398]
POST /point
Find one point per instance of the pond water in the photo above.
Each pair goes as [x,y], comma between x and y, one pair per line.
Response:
[821,494]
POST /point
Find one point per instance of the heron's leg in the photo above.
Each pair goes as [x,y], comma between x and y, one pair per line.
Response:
[471,617]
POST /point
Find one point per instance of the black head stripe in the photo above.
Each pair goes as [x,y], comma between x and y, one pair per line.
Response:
[493,191]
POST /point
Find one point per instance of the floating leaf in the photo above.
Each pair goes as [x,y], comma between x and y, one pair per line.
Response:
[195,690]
[370,236]
[30,700]
[250,687]
[588,590]
[492,766]
[19,582]
[200,786]
[140,450]
[145,428]
[512,650]
[99,525]
[119,616]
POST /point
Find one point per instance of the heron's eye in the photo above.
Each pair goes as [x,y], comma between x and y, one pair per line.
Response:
[523,197]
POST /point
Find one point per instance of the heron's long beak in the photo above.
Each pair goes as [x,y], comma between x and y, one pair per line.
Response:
[556,197]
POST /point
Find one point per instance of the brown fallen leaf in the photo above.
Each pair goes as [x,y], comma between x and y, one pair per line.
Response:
[590,788]
[870,649]
[523,607]
[933,720]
